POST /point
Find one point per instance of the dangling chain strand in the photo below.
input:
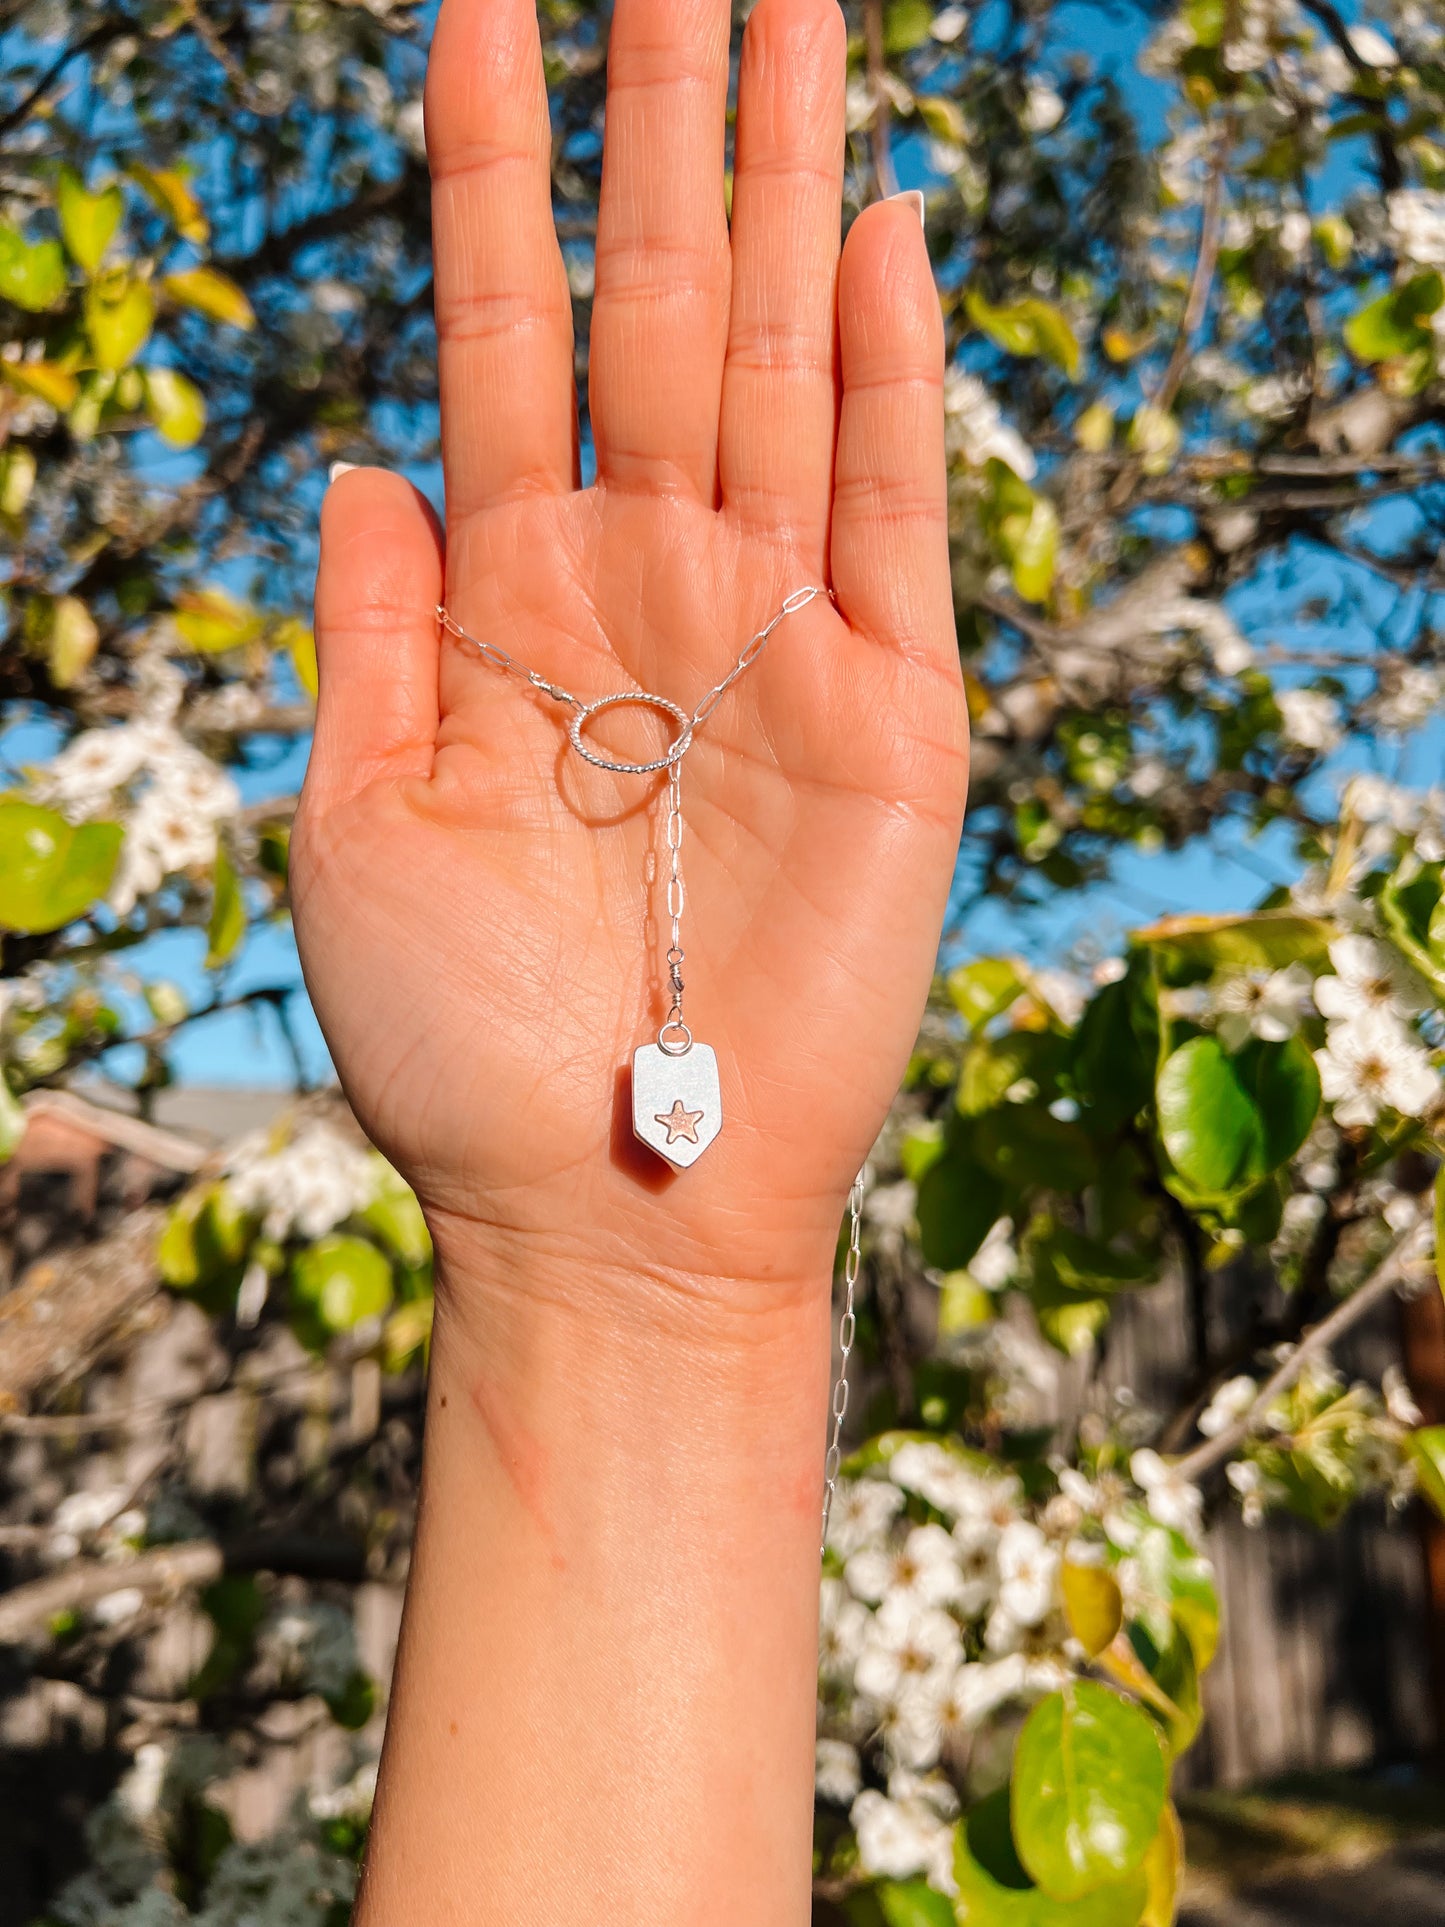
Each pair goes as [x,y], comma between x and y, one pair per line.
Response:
[676,897]
[847,1330]
[674,1038]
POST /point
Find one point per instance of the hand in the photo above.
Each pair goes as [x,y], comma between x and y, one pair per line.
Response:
[478,933]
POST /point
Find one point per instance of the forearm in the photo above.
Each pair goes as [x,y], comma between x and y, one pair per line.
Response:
[604,1700]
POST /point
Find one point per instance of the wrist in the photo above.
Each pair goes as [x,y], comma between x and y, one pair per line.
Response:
[639,1369]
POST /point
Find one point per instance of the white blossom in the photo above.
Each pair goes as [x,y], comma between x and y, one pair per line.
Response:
[1170,1499]
[842,1627]
[896,1839]
[837,1775]
[1028,1571]
[1369,976]
[1372,1063]
[305,1186]
[1372,47]
[907,1646]
[140,1791]
[976,1540]
[1259,1003]
[1309,718]
[995,1261]
[1417,225]
[862,1512]
[1399,1401]
[115,1608]
[977,431]
[92,766]
[1229,1403]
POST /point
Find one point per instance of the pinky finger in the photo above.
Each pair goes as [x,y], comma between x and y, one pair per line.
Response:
[890,564]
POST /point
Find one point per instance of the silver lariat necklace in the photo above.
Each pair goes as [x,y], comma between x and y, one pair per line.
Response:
[676,1096]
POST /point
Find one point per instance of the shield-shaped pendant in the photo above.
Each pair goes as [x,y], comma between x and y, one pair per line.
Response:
[676,1101]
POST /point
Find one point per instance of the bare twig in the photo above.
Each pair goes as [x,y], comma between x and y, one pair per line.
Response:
[1202,280]
[167,1570]
[884,179]
[1387,1276]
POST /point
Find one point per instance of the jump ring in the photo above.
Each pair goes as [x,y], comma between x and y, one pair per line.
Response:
[640,699]
[673,1049]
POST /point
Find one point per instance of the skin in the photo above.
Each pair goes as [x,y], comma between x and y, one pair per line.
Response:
[603,1706]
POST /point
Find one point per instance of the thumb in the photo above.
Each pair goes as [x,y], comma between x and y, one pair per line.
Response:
[379,581]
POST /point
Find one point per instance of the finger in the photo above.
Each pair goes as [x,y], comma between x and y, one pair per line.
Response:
[660,306]
[890,563]
[779,403]
[503,307]
[377,589]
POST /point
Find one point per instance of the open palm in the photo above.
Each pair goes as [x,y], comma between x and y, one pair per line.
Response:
[481,914]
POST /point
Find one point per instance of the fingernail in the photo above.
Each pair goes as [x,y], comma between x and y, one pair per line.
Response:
[338,469]
[914,198]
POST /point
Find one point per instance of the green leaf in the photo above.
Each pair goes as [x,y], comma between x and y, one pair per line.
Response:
[176,406]
[914,1904]
[227,925]
[32,273]
[1176,1573]
[18,469]
[299,642]
[1163,1865]
[1024,527]
[984,990]
[205,1239]
[1088,1790]
[48,381]
[343,1279]
[1027,1147]
[1284,1081]
[212,621]
[1155,437]
[1397,324]
[957,1206]
[1426,1447]
[354,1705]
[168,189]
[51,871]
[1410,905]
[1088,1264]
[1190,947]
[87,220]
[1031,327]
[70,640]
[398,1220]
[119,312]
[1093,1604]
[211,293]
[995,1891]
[1209,1124]
[1094,429]
[906,25]
[12,1121]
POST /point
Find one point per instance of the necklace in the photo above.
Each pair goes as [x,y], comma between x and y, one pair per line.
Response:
[676,1095]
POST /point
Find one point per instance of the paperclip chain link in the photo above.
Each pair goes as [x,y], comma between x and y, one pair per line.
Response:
[847,1331]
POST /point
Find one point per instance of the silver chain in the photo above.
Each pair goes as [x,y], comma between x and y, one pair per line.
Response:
[674,1037]
[847,1330]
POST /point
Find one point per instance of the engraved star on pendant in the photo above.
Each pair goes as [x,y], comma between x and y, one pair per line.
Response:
[679,1122]
[676,1101]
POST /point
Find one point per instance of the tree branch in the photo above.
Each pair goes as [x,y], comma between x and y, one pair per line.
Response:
[1197,1465]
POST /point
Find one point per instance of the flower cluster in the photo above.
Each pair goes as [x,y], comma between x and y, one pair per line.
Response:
[943,1620]
[170,796]
[305,1184]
